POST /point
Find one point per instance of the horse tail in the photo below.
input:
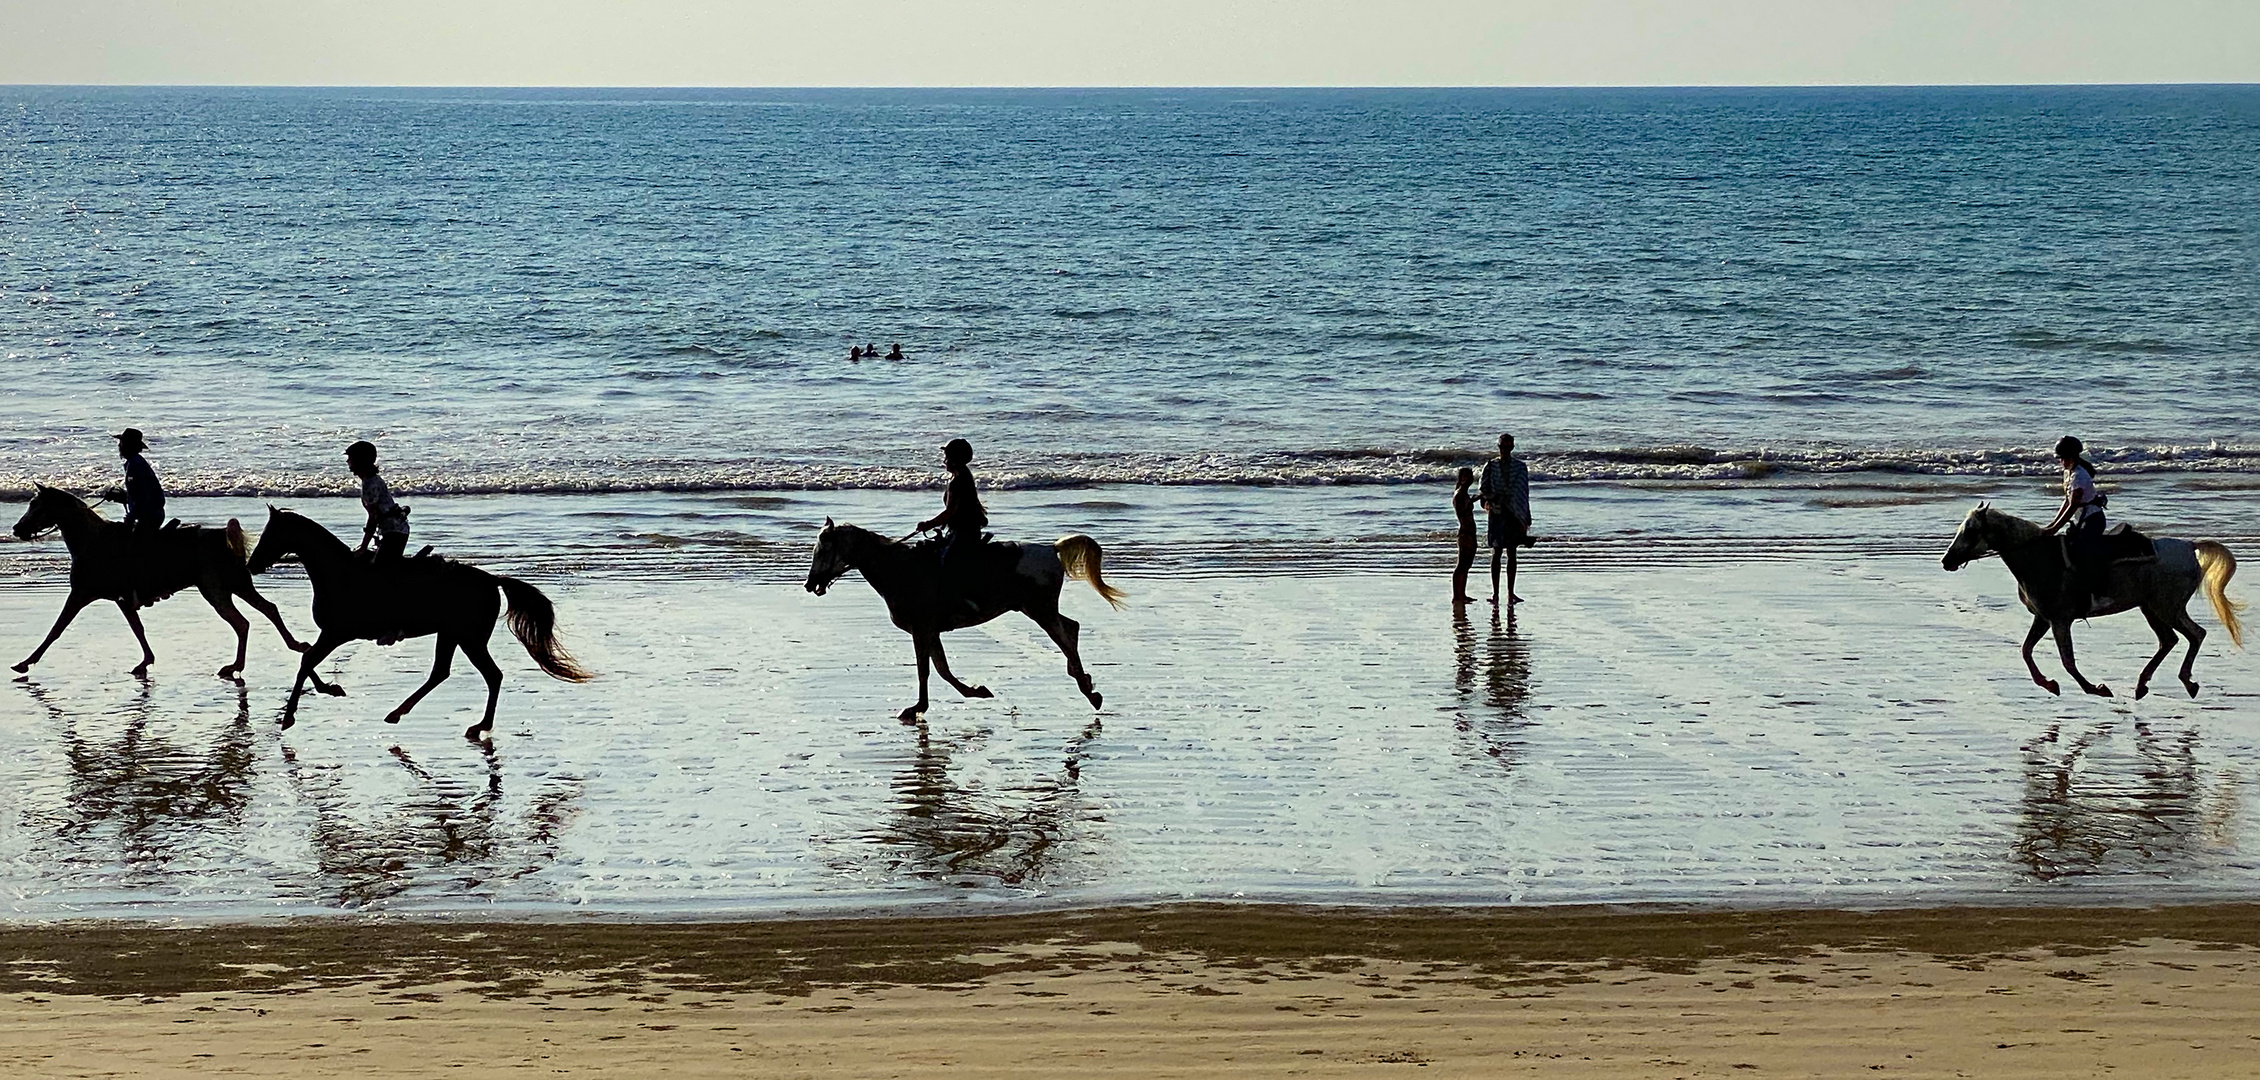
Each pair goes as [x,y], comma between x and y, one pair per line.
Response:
[236,544]
[1079,555]
[2218,567]
[534,620]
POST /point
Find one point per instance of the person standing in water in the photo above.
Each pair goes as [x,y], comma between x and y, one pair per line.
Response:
[2083,511]
[1463,508]
[145,497]
[388,520]
[1506,496]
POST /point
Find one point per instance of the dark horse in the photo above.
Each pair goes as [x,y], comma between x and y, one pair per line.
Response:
[2159,586]
[907,577]
[356,599]
[108,562]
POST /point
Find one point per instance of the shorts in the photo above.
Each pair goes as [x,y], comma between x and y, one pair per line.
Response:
[1508,531]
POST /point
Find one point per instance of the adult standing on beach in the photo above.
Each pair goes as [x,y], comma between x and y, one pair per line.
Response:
[1506,497]
[145,497]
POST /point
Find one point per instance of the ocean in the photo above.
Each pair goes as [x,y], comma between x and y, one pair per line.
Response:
[1760,347]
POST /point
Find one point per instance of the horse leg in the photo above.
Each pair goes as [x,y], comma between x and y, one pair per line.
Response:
[2064,651]
[2039,627]
[267,607]
[133,619]
[1064,633]
[440,659]
[72,605]
[942,666]
[218,598]
[2196,636]
[307,661]
[918,640]
[2166,640]
[476,652]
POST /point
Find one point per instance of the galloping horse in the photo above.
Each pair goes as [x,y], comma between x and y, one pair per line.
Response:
[109,562]
[355,599]
[908,579]
[2161,587]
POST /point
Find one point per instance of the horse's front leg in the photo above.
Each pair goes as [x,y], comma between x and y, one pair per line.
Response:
[72,605]
[2064,651]
[307,661]
[942,665]
[2039,627]
[133,619]
[918,640]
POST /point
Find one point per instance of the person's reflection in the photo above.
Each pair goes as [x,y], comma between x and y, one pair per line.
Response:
[445,835]
[1492,677]
[157,800]
[945,830]
[2087,810]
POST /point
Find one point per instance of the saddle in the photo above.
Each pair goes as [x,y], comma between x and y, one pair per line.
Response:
[2121,543]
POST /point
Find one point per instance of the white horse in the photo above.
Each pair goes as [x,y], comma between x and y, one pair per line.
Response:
[2161,587]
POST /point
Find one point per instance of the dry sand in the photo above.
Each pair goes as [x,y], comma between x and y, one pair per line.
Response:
[1180,991]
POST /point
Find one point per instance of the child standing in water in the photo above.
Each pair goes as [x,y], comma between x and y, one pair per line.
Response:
[1463,507]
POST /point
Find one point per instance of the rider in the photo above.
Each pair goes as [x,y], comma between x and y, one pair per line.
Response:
[962,514]
[388,520]
[2083,510]
[145,497]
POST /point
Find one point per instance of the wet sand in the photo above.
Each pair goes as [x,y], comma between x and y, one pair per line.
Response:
[1197,990]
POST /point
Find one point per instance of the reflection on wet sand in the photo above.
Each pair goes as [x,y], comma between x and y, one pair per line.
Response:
[2090,806]
[1496,718]
[445,834]
[944,829]
[155,799]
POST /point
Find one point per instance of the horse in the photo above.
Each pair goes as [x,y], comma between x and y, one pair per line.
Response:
[908,578]
[356,599]
[110,562]
[2160,587]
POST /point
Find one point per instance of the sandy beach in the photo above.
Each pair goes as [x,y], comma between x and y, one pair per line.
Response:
[1186,991]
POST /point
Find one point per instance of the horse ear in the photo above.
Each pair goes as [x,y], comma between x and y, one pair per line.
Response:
[827,522]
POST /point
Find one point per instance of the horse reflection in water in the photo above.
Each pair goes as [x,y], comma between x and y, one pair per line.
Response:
[2090,807]
[159,802]
[1498,665]
[446,837]
[944,829]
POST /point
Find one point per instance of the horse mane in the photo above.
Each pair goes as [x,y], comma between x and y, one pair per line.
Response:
[2009,529]
[315,531]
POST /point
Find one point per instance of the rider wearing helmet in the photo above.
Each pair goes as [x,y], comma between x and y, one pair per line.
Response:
[388,520]
[962,517]
[2083,511]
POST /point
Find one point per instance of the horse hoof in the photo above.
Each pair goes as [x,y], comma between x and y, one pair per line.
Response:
[392,718]
[979,691]
[2191,687]
[2053,688]
[2141,690]
[911,714]
[1097,700]
[476,734]
[287,721]
[141,672]
[333,690]
[22,668]
[2101,690]
[230,673]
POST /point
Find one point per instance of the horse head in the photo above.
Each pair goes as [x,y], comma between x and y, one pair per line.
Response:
[832,560]
[275,541]
[1974,540]
[48,505]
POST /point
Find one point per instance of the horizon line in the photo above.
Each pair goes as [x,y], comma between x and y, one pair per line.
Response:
[1126,86]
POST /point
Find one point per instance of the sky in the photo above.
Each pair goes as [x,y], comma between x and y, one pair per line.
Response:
[1126,43]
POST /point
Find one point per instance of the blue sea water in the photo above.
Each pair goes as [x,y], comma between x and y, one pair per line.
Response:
[526,291]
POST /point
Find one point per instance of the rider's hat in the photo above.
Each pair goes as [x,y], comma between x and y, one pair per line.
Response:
[2070,448]
[130,441]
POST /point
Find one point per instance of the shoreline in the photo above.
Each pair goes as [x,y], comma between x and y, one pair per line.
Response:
[1192,990]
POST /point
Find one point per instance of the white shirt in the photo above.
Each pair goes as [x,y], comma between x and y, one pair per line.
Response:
[2079,487]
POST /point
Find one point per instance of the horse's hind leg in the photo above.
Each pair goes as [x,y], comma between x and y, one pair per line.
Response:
[2064,652]
[2039,627]
[218,598]
[942,667]
[440,660]
[2196,636]
[1065,632]
[267,607]
[476,653]
[72,605]
[133,619]
[2166,639]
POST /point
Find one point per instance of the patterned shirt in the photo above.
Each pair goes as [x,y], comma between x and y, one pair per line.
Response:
[1506,489]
